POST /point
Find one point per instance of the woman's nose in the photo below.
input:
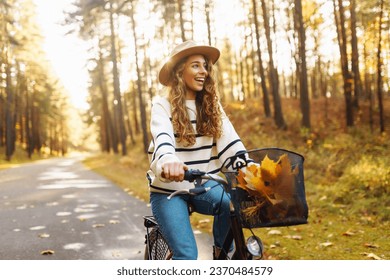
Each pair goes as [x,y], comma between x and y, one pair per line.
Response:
[203,69]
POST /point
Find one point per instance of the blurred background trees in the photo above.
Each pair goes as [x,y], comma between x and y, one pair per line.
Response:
[32,103]
[273,52]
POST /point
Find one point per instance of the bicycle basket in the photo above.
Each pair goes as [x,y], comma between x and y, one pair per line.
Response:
[271,192]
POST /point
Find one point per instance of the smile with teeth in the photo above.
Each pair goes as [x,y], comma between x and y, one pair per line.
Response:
[200,80]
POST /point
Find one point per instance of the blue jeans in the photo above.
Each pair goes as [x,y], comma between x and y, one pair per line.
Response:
[173,218]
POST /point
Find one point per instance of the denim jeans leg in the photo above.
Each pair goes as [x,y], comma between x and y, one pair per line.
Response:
[172,216]
[215,202]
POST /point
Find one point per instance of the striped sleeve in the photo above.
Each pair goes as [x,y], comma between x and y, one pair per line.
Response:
[163,148]
[229,144]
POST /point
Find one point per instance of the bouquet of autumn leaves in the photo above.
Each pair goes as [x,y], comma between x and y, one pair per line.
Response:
[271,185]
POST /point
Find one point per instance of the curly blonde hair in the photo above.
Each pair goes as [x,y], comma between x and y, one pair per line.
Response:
[208,120]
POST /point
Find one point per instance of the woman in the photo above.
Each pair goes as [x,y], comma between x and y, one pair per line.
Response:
[189,130]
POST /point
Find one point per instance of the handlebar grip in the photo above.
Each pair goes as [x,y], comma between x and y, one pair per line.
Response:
[192,174]
[188,175]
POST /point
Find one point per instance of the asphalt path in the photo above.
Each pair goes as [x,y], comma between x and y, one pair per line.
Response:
[58,209]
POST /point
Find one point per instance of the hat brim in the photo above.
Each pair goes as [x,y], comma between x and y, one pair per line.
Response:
[211,53]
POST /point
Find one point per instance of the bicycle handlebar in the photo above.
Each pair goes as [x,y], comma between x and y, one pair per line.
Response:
[191,175]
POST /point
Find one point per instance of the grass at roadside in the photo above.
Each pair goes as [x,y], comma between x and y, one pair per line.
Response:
[128,172]
[19,157]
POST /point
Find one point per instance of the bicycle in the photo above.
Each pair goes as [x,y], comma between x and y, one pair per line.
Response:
[284,204]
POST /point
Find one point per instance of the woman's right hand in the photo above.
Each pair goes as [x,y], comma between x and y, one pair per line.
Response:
[173,171]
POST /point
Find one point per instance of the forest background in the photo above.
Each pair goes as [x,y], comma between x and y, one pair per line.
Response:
[309,76]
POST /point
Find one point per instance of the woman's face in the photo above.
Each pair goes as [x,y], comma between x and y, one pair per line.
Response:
[194,74]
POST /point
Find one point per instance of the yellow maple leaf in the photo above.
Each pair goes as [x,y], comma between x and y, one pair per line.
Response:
[268,169]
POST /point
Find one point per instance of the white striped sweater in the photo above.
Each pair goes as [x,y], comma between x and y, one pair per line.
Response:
[207,154]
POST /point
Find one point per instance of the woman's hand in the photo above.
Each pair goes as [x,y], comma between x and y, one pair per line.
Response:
[174,171]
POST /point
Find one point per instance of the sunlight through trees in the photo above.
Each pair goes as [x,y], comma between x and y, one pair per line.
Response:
[272,51]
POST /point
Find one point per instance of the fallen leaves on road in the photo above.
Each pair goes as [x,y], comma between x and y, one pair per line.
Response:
[37,228]
[63,214]
[74,246]
[116,254]
[47,252]
[44,235]
[98,225]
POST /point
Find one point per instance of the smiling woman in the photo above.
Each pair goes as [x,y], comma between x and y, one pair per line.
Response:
[67,53]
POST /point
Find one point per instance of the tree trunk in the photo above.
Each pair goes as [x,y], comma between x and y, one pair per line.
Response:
[207,12]
[28,124]
[303,84]
[379,70]
[35,125]
[253,68]
[135,111]
[358,88]
[128,123]
[266,105]
[181,19]
[248,72]
[9,108]
[2,117]
[347,77]
[368,90]
[117,94]
[140,97]
[273,72]
[111,137]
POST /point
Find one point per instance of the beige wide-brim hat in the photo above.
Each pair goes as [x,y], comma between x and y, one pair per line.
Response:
[185,49]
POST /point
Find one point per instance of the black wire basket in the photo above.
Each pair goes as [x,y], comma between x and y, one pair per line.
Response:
[274,194]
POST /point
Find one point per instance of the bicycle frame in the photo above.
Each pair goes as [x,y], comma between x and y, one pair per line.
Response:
[235,234]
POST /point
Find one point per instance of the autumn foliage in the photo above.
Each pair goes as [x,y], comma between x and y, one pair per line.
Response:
[271,181]
[275,189]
